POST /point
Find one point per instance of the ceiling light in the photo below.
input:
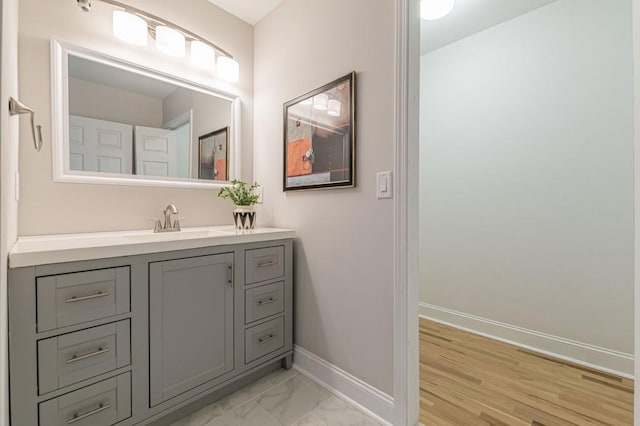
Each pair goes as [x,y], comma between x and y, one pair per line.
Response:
[228,69]
[129,27]
[203,55]
[334,108]
[320,102]
[169,41]
[431,10]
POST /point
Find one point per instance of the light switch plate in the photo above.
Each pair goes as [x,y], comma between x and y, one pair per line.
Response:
[384,185]
[258,191]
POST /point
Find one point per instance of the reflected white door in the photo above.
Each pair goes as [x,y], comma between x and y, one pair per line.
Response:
[156,152]
[100,146]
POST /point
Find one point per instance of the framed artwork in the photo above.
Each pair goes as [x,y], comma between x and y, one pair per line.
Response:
[320,137]
[213,161]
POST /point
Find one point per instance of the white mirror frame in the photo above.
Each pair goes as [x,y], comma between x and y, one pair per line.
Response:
[60,52]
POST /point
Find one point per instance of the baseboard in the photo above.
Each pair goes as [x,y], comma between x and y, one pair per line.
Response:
[372,401]
[602,359]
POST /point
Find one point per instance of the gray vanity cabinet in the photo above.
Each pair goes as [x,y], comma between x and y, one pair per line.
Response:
[190,323]
[148,338]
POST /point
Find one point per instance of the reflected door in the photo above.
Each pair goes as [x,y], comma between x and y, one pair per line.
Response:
[100,146]
[156,152]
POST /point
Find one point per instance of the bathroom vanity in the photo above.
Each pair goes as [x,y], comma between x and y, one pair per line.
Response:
[126,328]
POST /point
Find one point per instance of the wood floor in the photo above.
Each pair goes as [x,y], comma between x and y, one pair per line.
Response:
[468,380]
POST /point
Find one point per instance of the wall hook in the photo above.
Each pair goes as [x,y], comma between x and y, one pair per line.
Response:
[17,108]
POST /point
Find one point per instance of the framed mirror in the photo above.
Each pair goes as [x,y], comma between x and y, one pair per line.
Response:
[115,122]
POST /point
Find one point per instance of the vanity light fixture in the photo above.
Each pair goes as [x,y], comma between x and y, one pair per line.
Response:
[431,10]
[133,26]
[129,27]
[228,69]
[170,41]
[203,55]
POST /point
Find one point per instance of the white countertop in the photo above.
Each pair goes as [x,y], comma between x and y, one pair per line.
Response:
[45,249]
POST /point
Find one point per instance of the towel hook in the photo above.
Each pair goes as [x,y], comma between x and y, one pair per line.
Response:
[17,108]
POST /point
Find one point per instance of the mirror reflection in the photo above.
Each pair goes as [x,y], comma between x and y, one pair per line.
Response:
[121,122]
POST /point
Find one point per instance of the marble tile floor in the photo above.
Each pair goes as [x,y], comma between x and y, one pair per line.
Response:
[282,398]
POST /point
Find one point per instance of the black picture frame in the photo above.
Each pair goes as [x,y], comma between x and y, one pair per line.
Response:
[319,134]
[213,147]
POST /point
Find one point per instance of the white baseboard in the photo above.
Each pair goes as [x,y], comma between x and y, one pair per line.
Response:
[372,401]
[602,359]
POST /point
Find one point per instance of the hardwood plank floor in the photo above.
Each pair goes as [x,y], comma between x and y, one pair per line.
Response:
[468,380]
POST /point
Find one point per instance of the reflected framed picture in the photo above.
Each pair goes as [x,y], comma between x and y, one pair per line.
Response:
[213,161]
[320,137]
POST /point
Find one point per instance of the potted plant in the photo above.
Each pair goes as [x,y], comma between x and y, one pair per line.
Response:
[244,197]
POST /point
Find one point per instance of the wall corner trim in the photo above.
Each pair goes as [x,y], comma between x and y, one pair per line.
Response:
[586,355]
[362,395]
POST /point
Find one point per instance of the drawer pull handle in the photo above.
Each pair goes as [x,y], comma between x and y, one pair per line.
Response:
[77,418]
[77,358]
[266,264]
[266,301]
[83,298]
[266,339]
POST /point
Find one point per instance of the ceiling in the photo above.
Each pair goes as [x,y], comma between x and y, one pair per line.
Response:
[105,75]
[250,11]
[469,17]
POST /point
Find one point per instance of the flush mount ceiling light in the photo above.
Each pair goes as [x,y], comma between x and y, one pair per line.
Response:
[129,27]
[431,10]
[133,26]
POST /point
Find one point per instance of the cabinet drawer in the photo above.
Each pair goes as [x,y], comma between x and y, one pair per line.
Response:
[264,264]
[71,358]
[70,299]
[103,404]
[263,339]
[263,301]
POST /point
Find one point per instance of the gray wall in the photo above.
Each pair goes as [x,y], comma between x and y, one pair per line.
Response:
[113,105]
[527,174]
[84,208]
[344,267]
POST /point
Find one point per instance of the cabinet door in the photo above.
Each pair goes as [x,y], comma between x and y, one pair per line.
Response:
[191,323]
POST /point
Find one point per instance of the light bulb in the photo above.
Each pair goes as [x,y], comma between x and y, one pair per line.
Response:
[169,41]
[431,10]
[228,69]
[129,27]
[320,102]
[203,55]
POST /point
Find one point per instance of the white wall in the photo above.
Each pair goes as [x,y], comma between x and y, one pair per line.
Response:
[113,104]
[80,208]
[8,169]
[344,269]
[209,114]
[527,174]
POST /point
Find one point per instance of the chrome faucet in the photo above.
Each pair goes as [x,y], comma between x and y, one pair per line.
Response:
[168,226]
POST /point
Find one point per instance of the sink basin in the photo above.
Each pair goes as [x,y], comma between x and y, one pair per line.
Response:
[170,236]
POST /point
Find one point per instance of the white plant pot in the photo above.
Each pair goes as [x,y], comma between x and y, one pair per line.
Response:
[244,217]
